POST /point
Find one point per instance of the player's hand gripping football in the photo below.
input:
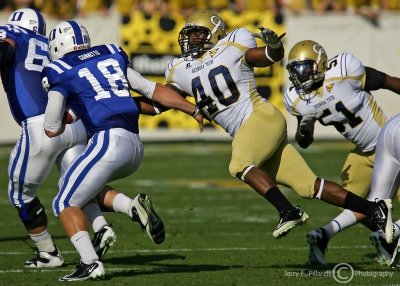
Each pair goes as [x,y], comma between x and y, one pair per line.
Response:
[269,37]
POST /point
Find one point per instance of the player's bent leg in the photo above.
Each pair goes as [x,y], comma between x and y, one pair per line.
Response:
[379,212]
[290,216]
[34,218]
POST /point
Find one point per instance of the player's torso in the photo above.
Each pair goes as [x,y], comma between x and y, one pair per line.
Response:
[94,82]
[21,77]
[343,103]
[223,86]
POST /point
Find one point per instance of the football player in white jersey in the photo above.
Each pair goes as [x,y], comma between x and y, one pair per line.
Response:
[217,69]
[386,174]
[337,92]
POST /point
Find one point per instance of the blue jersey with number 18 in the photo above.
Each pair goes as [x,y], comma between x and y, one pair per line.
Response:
[95,85]
[21,77]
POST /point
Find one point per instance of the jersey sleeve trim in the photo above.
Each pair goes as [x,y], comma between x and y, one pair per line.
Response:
[172,70]
[55,67]
[240,47]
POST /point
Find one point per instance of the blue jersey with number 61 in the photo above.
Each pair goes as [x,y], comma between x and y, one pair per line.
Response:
[21,77]
[96,88]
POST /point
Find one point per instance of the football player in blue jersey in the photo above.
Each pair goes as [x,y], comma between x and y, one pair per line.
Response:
[23,54]
[95,82]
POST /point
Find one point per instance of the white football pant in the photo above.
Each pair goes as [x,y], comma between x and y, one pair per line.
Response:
[110,155]
[34,155]
[386,175]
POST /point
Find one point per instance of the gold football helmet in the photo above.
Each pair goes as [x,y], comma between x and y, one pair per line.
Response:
[201,32]
[307,63]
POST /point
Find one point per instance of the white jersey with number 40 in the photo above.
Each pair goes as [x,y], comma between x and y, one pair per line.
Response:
[221,83]
[342,102]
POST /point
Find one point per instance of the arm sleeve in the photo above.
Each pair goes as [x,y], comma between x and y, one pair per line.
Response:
[6,51]
[374,79]
[53,117]
[140,84]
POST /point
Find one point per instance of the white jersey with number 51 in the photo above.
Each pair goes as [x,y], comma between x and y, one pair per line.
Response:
[342,102]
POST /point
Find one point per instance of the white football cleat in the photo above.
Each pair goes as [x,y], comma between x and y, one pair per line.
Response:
[289,220]
[45,259]
[142,211]
[103,240]
[84,271]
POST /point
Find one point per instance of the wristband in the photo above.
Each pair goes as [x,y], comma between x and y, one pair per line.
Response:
[267,55]
[196,111]
[158,111]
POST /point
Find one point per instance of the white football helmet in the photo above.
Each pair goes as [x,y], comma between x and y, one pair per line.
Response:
[29,19]
[68,36]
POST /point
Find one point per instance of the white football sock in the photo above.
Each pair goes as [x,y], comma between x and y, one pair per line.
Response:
[43,241]
[83,244]
[122,203]
[95,216]
[344,220]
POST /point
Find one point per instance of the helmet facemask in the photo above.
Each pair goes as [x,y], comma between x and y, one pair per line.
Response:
[305,75]
[194,40]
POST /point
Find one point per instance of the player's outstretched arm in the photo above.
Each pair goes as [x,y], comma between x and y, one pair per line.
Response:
[163,95]
[171,99]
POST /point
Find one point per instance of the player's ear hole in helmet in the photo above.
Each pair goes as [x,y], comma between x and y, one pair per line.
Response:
[201,32]
[66,37]
[307,62]
[29,19]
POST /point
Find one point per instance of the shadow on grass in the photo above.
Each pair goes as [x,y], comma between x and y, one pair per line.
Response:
[142,259]
[152,265]
[170,268]
[26,238]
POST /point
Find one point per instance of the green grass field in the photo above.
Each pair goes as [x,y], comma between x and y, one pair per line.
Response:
[219,231]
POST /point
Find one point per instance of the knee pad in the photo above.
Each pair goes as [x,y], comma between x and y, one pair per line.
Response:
[33,214]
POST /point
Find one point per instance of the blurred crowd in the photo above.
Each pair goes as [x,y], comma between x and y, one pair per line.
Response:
[65,9]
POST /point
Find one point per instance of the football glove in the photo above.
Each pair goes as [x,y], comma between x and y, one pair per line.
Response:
[269,37]
[307,122]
